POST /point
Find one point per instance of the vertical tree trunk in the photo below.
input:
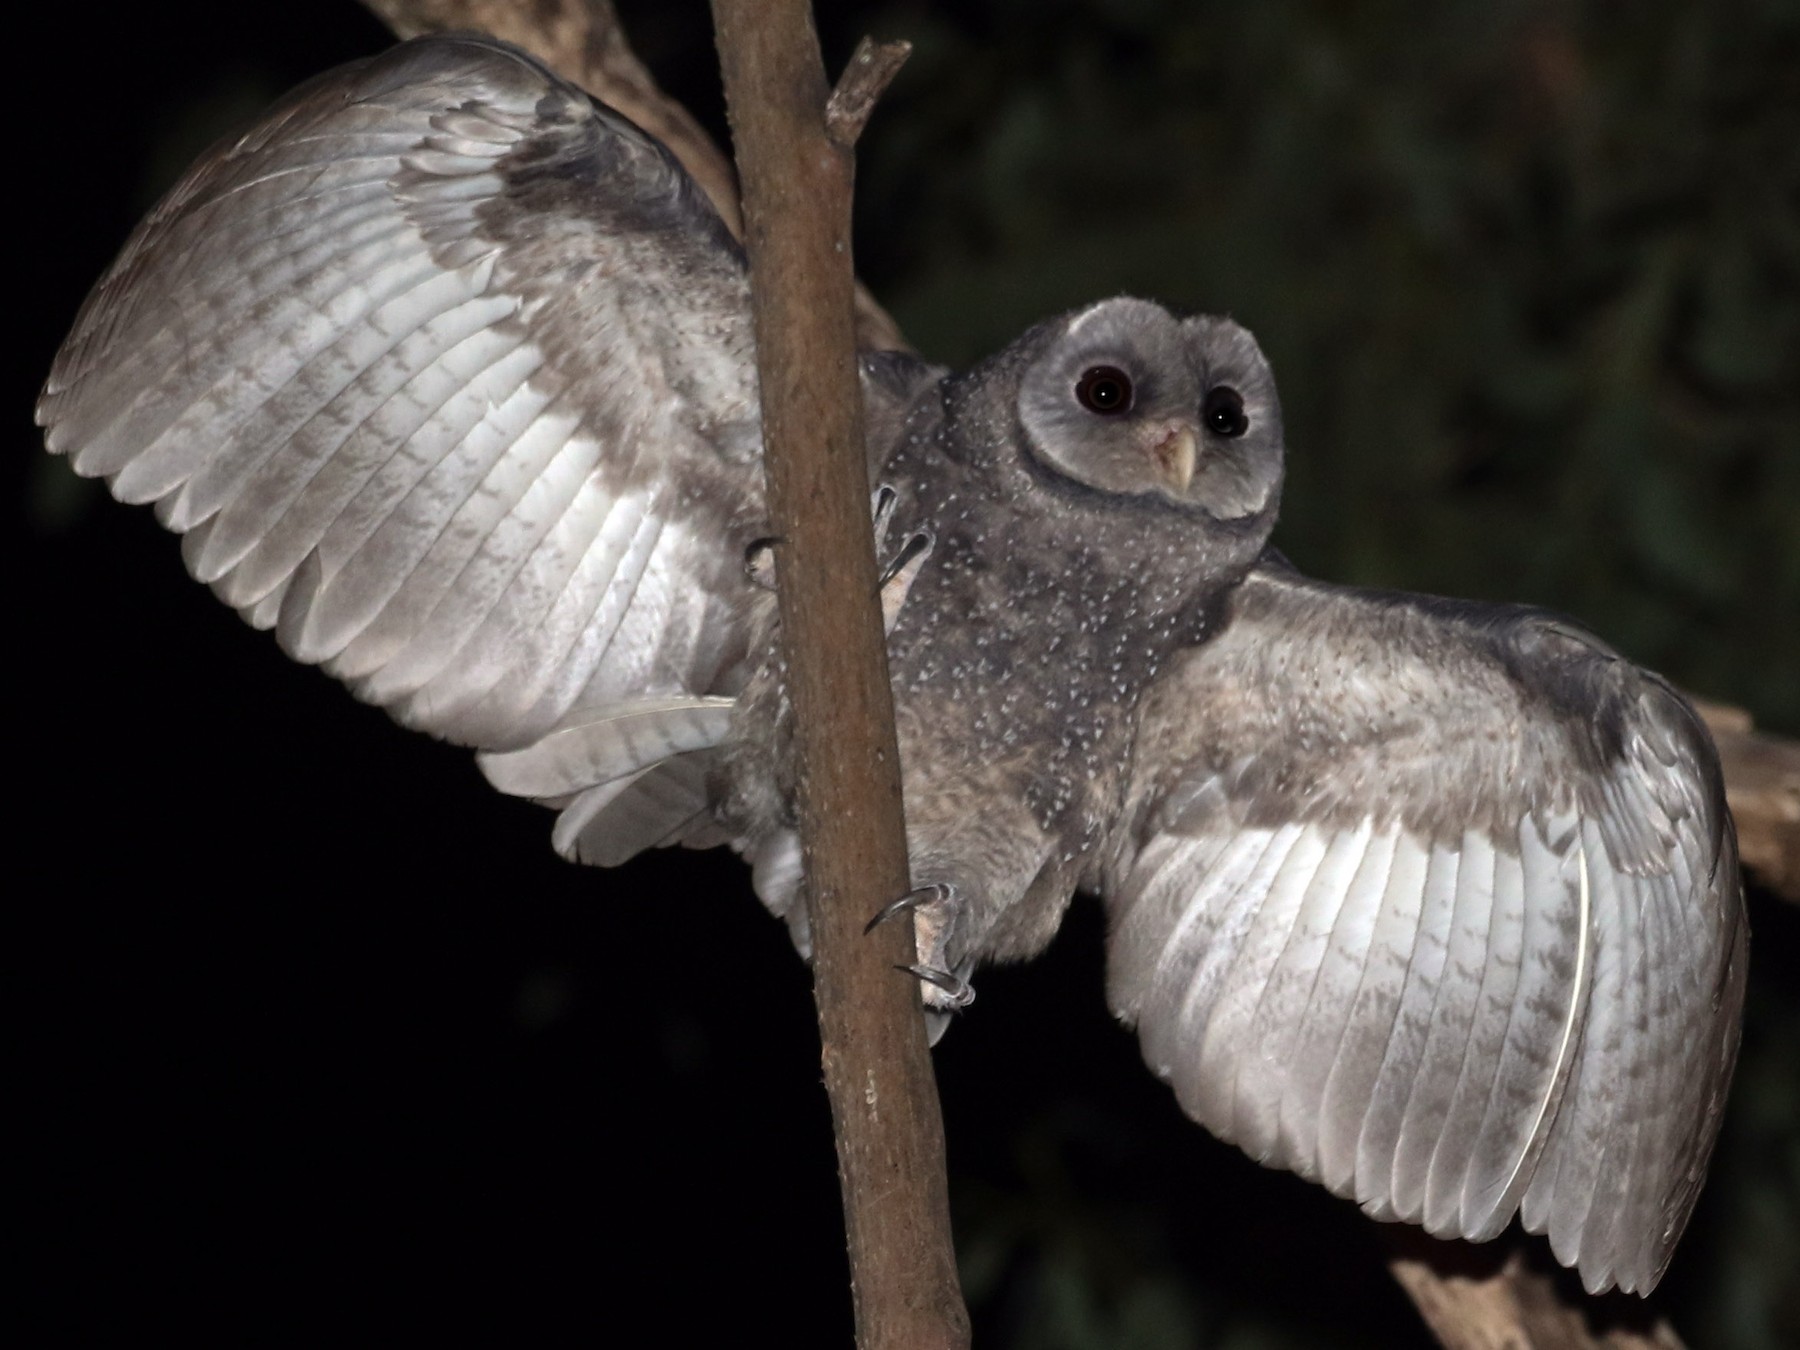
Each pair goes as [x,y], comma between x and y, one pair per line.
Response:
[795,164]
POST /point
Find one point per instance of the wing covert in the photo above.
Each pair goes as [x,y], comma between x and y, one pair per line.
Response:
[445,372]
[1437,904]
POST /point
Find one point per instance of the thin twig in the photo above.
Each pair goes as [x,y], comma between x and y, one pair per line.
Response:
[872,68]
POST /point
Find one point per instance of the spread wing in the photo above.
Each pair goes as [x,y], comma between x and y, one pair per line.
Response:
[445,373]
[1437,904]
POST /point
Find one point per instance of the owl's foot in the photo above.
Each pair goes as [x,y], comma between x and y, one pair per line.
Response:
[953,991]
[919,898]
[897,574]
[934,909]
[905,563]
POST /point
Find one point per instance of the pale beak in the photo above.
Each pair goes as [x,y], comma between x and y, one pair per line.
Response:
[1175,455]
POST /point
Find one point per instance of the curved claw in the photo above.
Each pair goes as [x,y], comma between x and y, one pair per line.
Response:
[936,893]
[882,502]
[959,991]
[881,507]
[900,573]
[917,543]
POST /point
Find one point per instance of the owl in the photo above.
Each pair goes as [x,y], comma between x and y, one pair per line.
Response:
[444,373]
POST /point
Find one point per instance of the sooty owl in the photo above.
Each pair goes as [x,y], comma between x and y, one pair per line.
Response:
[444,372]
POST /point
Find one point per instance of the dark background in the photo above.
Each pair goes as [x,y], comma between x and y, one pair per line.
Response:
[320,1037]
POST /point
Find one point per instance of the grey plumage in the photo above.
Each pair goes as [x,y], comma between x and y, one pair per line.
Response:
[445,374]
[514,416]
[1438,904]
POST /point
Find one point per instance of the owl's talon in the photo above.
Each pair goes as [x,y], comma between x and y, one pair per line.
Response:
[939,892]
[901,571]
[935,908]
[881,507]
[959,993]
[918,543]
[882,502]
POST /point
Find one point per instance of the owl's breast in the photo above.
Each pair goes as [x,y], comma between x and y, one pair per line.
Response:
[1020,665]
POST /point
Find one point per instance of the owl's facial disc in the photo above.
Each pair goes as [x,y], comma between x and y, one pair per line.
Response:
[1109,401]
[1129,400]
[1240,419]
[1170,446]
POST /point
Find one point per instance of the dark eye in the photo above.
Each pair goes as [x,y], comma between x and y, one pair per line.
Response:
[1223,412]
[1105,390]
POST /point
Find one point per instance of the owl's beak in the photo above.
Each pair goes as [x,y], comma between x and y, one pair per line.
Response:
[1174,456]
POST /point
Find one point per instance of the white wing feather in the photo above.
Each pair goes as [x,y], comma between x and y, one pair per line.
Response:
[444,373]
[1475,947]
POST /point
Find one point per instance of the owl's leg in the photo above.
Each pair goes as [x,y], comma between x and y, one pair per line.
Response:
[935,909]
[897,574]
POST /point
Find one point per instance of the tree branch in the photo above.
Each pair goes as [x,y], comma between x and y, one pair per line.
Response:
[872,68]
[797,181]
[1476,1298]
[1762,783]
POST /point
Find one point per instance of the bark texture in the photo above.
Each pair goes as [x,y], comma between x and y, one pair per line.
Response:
[1480,1298]
[1762,783]
[798,177]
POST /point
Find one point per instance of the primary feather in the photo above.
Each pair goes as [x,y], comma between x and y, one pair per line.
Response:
[1489,953]
[444,371]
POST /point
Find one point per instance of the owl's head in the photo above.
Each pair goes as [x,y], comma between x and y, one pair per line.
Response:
[1126,398]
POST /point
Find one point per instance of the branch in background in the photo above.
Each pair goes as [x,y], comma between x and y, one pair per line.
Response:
[1762,782]
[797,178]
[582,40]
[1477,1298]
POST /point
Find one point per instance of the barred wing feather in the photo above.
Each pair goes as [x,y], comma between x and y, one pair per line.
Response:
[444,371]
[1437,904]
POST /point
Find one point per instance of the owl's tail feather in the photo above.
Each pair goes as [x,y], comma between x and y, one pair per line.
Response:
[664,804]
[625,777]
